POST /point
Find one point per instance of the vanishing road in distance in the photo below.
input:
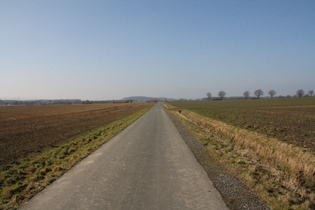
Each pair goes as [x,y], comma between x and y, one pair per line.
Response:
[146,166]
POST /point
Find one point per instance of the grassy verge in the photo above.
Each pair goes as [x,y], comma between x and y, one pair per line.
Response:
[280,173]
[22,180]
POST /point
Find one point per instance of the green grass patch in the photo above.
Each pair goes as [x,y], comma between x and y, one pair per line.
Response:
[27,176]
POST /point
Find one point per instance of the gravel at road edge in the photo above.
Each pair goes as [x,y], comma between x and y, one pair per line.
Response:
[235,193]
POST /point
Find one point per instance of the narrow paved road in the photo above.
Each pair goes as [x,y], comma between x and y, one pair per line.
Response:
[147,166]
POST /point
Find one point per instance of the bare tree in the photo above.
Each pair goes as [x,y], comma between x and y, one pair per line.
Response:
[272,93]
[259,93]
[246,94]
[311,92]
[300,93]
[209,96]
[221,94]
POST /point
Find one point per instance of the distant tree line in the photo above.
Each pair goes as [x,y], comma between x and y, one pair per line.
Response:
[57,101]
[258,93]
[40,102]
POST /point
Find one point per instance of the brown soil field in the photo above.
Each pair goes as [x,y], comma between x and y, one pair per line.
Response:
[289,120]
[31,129]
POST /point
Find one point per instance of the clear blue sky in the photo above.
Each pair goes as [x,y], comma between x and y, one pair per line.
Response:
[110,49]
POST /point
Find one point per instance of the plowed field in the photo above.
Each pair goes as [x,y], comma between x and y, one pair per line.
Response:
[32,129]
[289,120]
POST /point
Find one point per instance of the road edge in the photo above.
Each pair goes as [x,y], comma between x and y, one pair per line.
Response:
[234,192]
[31,174]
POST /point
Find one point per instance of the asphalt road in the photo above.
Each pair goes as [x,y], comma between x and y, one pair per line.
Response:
[147,166]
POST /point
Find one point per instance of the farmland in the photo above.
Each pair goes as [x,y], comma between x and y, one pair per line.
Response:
[40,143]
[288,120]
[268,143]
[26,130]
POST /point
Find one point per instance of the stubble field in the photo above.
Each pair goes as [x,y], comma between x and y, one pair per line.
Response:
[32,129]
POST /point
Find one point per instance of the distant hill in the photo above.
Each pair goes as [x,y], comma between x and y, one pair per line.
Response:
[145,98]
